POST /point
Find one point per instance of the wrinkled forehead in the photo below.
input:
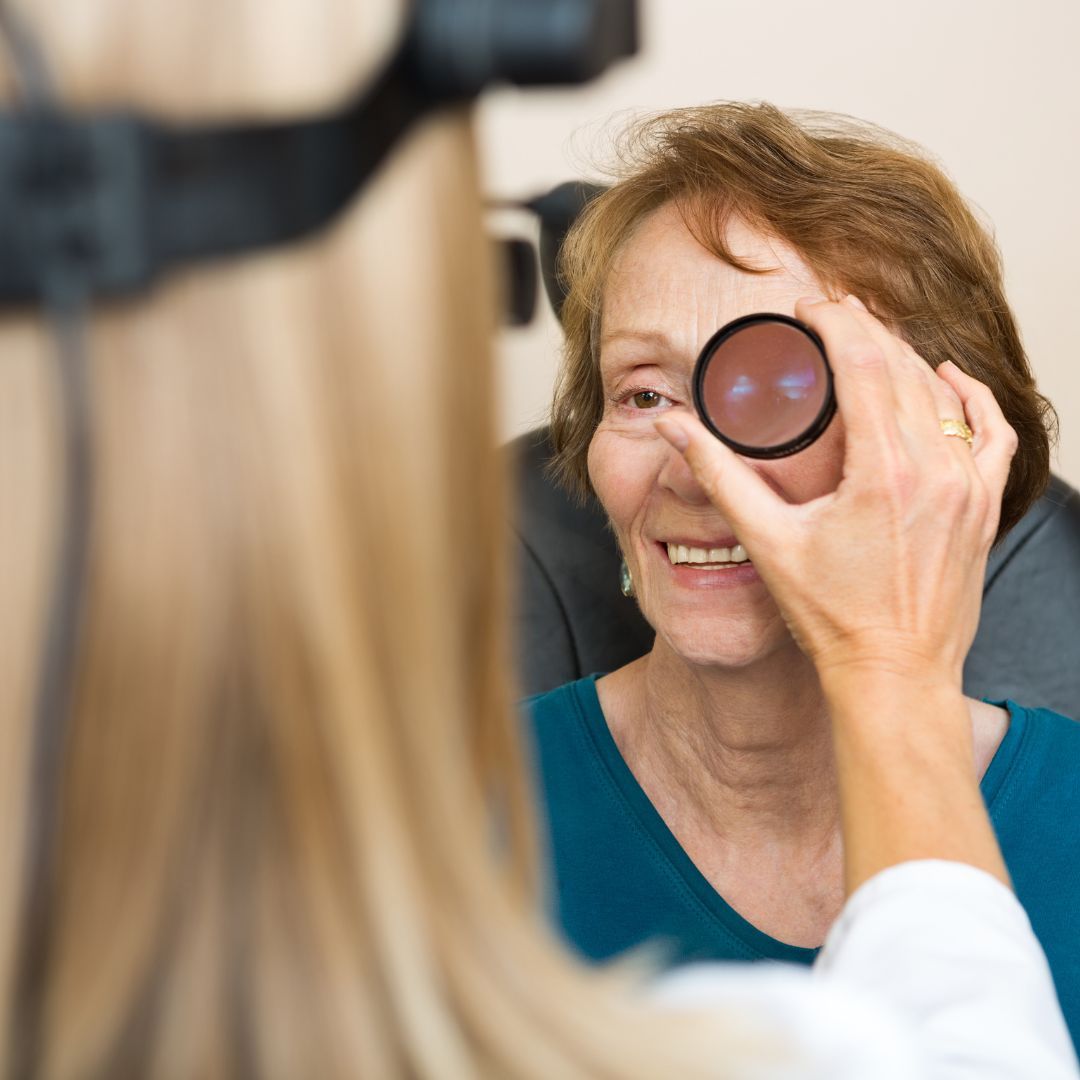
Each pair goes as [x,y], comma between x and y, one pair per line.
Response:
[665,282]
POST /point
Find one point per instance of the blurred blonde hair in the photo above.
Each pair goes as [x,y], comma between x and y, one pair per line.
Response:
[291,725]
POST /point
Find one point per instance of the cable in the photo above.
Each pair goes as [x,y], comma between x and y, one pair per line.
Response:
[65,309]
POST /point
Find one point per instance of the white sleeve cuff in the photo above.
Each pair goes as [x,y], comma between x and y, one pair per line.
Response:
[950,947]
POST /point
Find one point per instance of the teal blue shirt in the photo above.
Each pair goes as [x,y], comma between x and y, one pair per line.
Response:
[621,878]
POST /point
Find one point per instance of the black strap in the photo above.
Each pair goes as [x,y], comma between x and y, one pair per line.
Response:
[236,190]
[121,200]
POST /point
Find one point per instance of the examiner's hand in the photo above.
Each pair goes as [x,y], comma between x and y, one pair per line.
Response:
[886,572]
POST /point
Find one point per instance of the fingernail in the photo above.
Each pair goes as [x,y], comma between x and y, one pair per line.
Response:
[855,302]
[673,434]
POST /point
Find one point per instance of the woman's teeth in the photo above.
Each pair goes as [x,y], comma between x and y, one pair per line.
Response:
[680,553]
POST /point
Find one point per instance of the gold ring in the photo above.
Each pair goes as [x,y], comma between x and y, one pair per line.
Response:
[957,428]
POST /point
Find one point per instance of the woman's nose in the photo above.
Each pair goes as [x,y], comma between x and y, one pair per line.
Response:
[675,475]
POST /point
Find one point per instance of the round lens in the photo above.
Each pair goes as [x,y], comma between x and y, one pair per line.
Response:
[763,384]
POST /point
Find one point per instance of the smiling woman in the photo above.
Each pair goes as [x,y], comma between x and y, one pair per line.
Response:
[706,770]
[665,296]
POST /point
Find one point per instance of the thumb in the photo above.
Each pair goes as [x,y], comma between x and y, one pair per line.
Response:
[748,504]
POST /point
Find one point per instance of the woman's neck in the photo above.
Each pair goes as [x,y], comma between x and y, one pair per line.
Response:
[739,764]
[742,756]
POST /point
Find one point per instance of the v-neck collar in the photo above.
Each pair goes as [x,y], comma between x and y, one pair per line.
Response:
[641,808]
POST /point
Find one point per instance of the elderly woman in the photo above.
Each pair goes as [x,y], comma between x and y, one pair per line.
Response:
[692,795]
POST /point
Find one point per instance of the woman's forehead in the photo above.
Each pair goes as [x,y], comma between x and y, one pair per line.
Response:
[665,280]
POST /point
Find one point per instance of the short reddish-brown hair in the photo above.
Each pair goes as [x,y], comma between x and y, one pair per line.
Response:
[868,212]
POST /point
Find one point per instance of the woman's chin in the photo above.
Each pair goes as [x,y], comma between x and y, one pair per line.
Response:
[713,618]
[725,643]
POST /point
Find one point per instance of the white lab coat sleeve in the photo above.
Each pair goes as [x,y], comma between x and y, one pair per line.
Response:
[931,972]
[950,949]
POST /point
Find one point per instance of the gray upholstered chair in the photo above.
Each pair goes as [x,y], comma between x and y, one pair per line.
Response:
[573,620]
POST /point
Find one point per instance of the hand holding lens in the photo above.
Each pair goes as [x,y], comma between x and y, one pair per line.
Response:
[763,386]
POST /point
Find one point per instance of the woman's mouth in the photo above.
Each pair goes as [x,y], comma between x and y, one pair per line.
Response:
[712,558]
[721,565]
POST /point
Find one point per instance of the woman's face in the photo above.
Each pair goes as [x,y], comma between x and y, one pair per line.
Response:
[666,295]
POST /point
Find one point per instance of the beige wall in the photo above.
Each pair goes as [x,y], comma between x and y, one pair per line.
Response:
[992,87]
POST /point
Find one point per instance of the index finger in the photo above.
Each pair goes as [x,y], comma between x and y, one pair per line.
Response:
[752,508]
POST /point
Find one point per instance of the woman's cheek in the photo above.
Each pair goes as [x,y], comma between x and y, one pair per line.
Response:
[622,470]
[814,472]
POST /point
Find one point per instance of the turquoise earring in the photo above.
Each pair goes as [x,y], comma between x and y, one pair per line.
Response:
[626,582]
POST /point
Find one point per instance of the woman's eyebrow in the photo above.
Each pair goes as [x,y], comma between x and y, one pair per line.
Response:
[648,337]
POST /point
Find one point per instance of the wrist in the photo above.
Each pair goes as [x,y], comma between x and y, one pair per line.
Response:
[906,765]
[877,712]
[854,680]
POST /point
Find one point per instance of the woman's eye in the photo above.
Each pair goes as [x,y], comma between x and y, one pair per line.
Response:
[646,399]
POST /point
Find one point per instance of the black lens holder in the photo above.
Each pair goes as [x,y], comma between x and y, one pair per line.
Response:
[810,434]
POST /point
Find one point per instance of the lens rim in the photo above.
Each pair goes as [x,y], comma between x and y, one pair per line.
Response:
[812,432]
